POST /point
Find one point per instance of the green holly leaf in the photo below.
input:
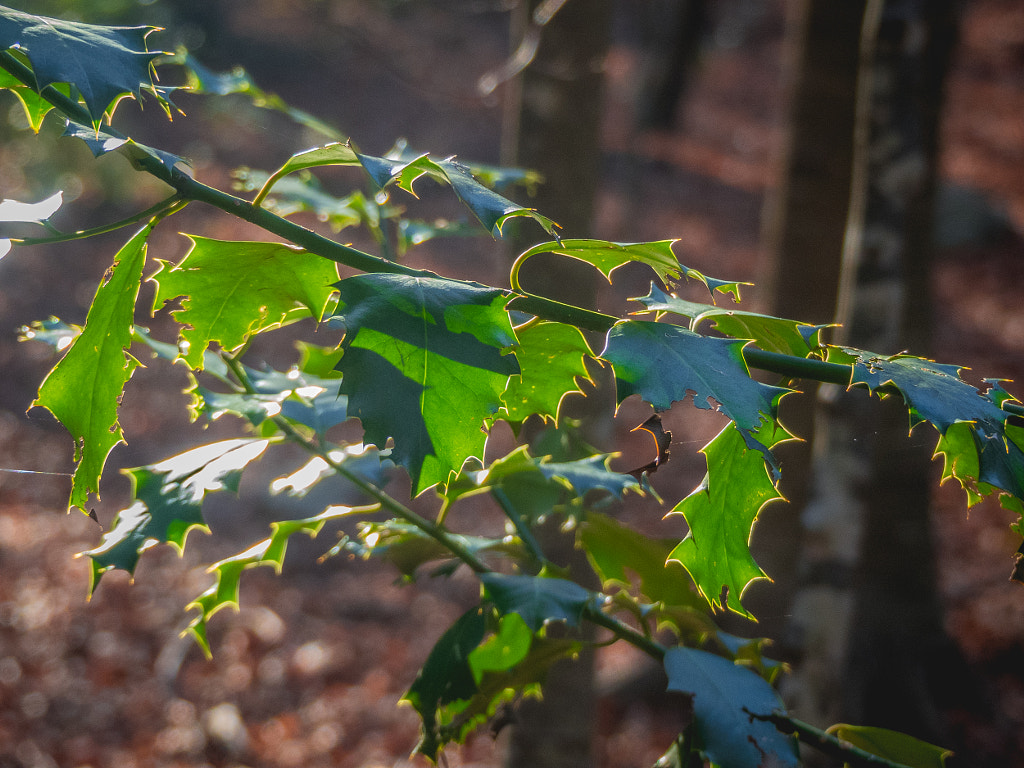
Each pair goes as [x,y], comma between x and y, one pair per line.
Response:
[336,153]
[102,63]
[446,677]
[363,461]
[490,208]
[616,550]
[269,552]
[725,696]
[510,663]
[589,474]
[424,363]
[773,334]
[168,501]
[663,363]
[235,290]
[302,398]
[982,451]
[721,513]
[318,361]
[892,746]
[607,257]
[35,106]
[534,487]
[551,361]
[537,599]
[101,142]
[84,389]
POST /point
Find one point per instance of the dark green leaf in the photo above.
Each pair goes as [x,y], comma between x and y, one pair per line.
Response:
[721,513]
[102,63]
[237,289]
[663,363]
[537,599]
[534,487]
[447,676]
[424,363]
[590,474]
[980,449]
[169,499]
[773,334]
[84,389]
[101,142]
[488,206]
[724,697]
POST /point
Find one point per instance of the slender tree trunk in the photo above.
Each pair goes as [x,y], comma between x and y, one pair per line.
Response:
[867,615]
[552,125]
[898,649]
[803,227]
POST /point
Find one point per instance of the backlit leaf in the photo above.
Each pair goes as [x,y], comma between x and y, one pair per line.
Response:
[35,106]
[336,153]
[84,389]
[892,746]
[234,290]
[616,550]
[269,552]
[551,361]
[607,257]
[424,363]
[14,211]
[721,513]
[724,697]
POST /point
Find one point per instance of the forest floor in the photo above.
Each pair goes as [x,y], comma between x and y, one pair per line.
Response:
[310,671]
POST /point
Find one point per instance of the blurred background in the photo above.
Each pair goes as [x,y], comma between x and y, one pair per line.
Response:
[730,125]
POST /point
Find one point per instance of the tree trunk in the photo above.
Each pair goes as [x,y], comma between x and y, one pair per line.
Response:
[552,125]
[803,227]
[867,615]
